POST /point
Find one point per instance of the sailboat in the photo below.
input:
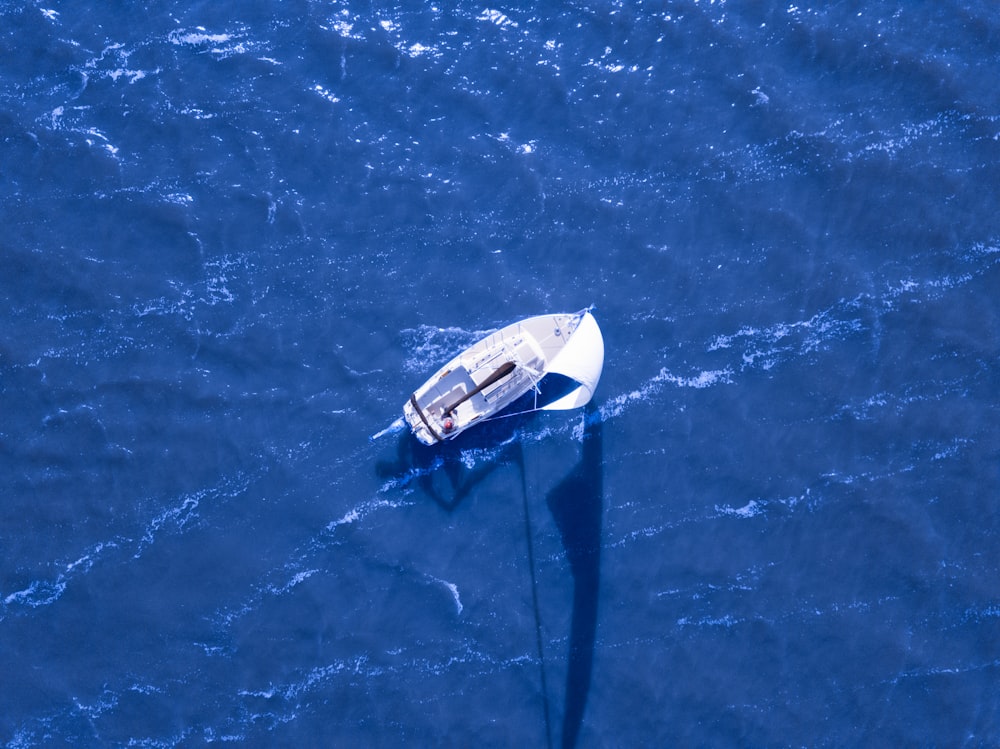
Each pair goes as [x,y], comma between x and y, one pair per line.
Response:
[486,378]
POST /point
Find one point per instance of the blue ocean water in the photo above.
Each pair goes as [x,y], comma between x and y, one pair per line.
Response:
[237,235]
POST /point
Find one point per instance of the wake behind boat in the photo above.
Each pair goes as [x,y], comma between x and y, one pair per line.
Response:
[487,377]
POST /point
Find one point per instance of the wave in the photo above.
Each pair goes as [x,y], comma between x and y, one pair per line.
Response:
[121,549]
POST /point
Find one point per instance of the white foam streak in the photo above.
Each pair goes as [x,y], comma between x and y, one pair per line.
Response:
[180,517]
[45,592]
[750,509]
[964,668]
[298,564]
[496,17]
[198,38]
[363,666]
[361,511]
[764,347]
[296,579]
[722,621]
[703,379]
[452,588]
[220,45]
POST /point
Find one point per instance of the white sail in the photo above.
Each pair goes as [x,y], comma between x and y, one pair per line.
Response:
[582,360]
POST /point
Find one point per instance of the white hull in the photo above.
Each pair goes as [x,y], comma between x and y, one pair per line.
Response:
[490,375]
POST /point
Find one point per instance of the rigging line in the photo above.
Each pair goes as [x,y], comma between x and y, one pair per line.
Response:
[516,413]
[534,599]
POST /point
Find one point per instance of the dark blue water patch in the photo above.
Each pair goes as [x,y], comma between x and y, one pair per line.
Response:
[237,243]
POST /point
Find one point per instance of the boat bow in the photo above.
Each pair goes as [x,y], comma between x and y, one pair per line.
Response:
[582,360]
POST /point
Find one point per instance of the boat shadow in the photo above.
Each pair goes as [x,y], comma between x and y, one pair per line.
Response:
[577,507]
[443,472]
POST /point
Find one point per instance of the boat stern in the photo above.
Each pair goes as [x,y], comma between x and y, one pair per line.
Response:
[420,423]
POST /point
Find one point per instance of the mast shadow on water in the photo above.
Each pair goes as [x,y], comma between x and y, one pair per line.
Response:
[576,504]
